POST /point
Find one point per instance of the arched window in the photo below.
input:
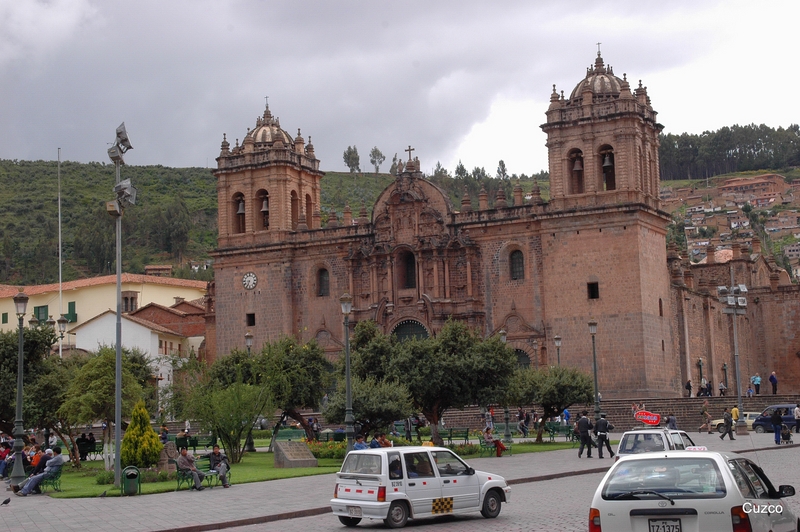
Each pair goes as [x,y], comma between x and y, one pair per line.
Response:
[575,168]
[309,211]
[517,263]
[407,270]
[323,283]
[523,360]
[263,208]
[295,210]
[607,168]
[239,213]
[408,329]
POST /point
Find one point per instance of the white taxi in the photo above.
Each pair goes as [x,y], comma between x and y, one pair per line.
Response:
[400,483]
[689,491]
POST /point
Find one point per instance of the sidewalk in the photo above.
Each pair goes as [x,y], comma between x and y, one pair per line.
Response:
[262,502]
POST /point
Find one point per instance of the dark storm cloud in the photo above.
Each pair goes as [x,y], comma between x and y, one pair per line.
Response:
[365,73]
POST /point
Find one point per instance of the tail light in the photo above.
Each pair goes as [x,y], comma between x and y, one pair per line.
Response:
[382,494]
[740,520]
[336,491]
[594,520]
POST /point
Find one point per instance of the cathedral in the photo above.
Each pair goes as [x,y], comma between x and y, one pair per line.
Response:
[536,271]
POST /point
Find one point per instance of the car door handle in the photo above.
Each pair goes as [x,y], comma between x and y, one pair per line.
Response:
[412,483]
[446,481]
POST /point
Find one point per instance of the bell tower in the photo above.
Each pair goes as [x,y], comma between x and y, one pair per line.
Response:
[602,142]
[266,187]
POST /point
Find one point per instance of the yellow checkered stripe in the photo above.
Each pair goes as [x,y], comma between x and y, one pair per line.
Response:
[443,505]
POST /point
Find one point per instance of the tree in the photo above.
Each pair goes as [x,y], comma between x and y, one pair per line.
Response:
[44,397]
[296,377]
[501,170]
[179,223]
[554,388]
[142,370]
[461,171]
[453,370]
[393,168]
[90,396]
[351,159]
[376,403]
[230,411]
[36,344]
[140,446]
[376,159]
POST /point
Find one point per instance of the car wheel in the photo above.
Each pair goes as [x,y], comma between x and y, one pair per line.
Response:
[721,428]
[398,515]
[349,521]
[491,505]
[760,429]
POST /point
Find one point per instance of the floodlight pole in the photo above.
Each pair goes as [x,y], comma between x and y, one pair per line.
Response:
[118,372]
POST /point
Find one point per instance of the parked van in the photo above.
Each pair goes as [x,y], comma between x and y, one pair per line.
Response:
[763,424]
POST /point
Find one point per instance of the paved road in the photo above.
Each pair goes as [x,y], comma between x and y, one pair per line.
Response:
[535,505]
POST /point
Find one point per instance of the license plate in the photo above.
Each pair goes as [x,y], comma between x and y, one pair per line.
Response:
[664,525]
[355,511]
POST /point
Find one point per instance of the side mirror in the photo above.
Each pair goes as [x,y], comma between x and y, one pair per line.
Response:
[471,471]
[785,491]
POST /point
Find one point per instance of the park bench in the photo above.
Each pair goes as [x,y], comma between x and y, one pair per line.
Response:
[202,463]
[54,481]
[500,429]
[489,448]
[458,434]
[290,435]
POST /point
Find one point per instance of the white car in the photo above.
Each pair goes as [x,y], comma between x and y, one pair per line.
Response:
[689,491]
[400,483]
[652,440]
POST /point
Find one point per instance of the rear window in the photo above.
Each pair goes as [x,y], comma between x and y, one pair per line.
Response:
[633,443]
[676,478]
[369,464]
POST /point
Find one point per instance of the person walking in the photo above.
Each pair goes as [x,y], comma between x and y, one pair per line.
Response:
[797,419]
[722,389]
[773,379]
[728,424]
[584,425]
[706,418]
[777,420]
[735,415]
[601,430]
[688,388]
[756,380]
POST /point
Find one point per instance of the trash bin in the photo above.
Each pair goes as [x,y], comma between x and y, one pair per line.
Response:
[131,481]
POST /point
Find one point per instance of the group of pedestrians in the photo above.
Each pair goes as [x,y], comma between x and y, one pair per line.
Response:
[755,380]
[584,427]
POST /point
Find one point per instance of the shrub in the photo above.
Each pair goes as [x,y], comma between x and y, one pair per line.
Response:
[104,477]
[328,449]
[140,445]
[463,449]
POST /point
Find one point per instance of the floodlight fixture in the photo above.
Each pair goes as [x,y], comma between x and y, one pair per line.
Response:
[742,289]
[122,139]
[722,290]
[741,301]
[115,154]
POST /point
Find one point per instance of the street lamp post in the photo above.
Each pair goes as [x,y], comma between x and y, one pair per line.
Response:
[61,323]
[735,301]
[593,332]
[506,415]
[18,473]
[347,305]
[249,444]
[557,340]
[248,341]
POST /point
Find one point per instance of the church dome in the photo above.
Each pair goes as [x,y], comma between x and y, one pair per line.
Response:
[601,81]
[268,130]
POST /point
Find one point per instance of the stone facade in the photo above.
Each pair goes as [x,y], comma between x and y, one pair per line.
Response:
[597,249]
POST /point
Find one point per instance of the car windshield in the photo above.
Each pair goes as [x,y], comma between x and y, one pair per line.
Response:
[369,464]
[641,443]
[676,478]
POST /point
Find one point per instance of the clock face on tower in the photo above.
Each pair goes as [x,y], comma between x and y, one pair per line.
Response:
[249,280]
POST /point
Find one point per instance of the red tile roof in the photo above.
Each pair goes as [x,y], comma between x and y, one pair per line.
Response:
[135,278]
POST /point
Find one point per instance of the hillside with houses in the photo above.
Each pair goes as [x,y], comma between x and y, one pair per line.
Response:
[738,208]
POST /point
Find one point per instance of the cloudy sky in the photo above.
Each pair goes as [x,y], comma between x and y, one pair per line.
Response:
[458,80]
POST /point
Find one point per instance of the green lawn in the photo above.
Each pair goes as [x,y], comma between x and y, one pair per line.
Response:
[254,467]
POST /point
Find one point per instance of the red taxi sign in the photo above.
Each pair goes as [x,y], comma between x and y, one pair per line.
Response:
[648,418]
